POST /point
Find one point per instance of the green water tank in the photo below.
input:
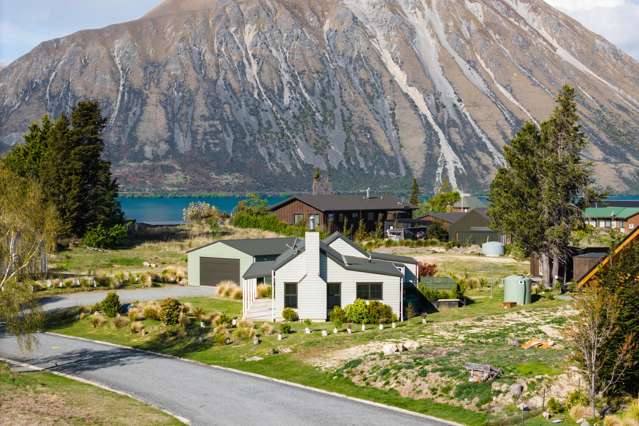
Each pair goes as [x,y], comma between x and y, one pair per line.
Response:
[517,289]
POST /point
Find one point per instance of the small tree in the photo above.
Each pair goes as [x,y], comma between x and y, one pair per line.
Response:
[592,334]
[442,201]
[415,193]
[360,234]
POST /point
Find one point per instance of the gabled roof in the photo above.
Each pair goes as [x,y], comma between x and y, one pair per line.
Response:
[339,202]
[393,258]
[630,238]
[610,212]
[259,269]
[347,262]
[338,235]
[255,247]
[449,217]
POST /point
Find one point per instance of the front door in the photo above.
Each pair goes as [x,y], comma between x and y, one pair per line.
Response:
[334,295]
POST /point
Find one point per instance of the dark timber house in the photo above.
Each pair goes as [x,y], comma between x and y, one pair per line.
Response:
[335,213]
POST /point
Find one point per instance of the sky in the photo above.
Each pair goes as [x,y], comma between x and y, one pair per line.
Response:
[26,23]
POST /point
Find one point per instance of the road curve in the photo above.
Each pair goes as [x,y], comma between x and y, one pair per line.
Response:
[88,298]
[202,394]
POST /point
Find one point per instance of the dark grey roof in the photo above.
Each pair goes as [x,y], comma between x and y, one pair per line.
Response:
[256,247]
[347,262]
[451,217]
[337,235]
[393,258]
[259,269]
[338,202]
[594,255]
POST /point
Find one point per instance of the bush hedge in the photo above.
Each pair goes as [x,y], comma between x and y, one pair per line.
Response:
[106,238]
[369,312]
[289,314]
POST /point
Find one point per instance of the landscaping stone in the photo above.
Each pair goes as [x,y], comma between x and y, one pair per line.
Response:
[516,389]
[389,349]
[286,350]
[349,331]
[254,358]
[410,345]
[335,330]
[381,326]
[307,330]
[279,336]
[394,325]
[324,333]
[495,386]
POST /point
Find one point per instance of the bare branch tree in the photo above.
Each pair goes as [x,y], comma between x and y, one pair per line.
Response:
[602,363]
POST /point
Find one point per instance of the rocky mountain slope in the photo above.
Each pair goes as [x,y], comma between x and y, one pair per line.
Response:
[227,95]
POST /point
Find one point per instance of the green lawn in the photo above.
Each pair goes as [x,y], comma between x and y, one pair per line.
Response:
[44,398]
[298,366]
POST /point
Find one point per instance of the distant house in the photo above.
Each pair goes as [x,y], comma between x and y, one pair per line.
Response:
[624,219]
[335,213]
[468,203]
[406,229]
[443,218]
[631,238]
[309,275]
[474,228]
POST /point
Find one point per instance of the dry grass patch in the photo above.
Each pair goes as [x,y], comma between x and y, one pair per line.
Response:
[230,290]
[45,399]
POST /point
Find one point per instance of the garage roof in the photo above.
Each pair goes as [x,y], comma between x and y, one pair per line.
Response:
[256,247]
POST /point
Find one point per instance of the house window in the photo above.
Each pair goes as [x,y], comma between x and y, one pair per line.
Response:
[298,218]
[369,291]
[371,216]
[314,223]
[331,217]
[290,295]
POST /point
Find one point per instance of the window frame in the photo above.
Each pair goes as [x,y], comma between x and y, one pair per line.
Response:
[367,294]
[288,295]
[298,218]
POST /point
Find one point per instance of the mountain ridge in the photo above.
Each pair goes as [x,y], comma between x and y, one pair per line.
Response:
[253,95]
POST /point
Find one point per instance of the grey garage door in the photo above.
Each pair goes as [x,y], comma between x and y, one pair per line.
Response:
[214,270]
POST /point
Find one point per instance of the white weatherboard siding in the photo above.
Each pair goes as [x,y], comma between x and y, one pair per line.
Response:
[344,248]
[391,290]
[220,250]
[311,290]
[292,272]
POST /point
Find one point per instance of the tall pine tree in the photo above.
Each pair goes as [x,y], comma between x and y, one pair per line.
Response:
[415,193]
[65,157]
[538,197]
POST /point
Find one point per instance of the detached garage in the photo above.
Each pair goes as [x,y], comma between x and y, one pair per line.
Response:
[228,260]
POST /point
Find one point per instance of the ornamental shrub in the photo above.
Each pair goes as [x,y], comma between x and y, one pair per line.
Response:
[289,314]
[337,314]
[577,397]
[285,328]
[379,313]
[170,311]
[357,312]
[110,306]
[369,312]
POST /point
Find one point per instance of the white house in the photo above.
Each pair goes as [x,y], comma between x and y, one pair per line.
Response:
[313,276]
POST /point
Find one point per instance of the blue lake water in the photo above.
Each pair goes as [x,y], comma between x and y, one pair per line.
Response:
[168,210]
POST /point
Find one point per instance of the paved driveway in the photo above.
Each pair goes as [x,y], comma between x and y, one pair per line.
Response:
[202,394]
[88,298]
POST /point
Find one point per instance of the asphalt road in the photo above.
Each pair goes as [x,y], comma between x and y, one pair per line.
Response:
[88,298]
[202,394]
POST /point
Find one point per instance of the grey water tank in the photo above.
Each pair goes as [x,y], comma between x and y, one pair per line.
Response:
[492,249]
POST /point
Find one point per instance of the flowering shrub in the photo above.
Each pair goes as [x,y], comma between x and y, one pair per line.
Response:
[199,212]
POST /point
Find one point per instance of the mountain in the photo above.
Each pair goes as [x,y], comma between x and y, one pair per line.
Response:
[234,95]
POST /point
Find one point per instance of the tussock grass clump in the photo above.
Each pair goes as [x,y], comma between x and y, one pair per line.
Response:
[220,335]
[169,275]
[264,291]
[580,412]
[229,289]
[120,321]
[137,328]
[199,313]
[183,320]
[266,329]
[152,310]
[146,279]
[136,313]
[244,323]
[187,308]
[633,411]
[97,320]
[244,333]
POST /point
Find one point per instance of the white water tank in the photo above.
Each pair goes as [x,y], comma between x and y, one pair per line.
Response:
[492,249]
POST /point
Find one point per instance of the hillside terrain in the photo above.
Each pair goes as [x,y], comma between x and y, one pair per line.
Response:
[236,95]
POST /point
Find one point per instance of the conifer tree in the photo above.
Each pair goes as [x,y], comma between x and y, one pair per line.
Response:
[415,193]
[538,197]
